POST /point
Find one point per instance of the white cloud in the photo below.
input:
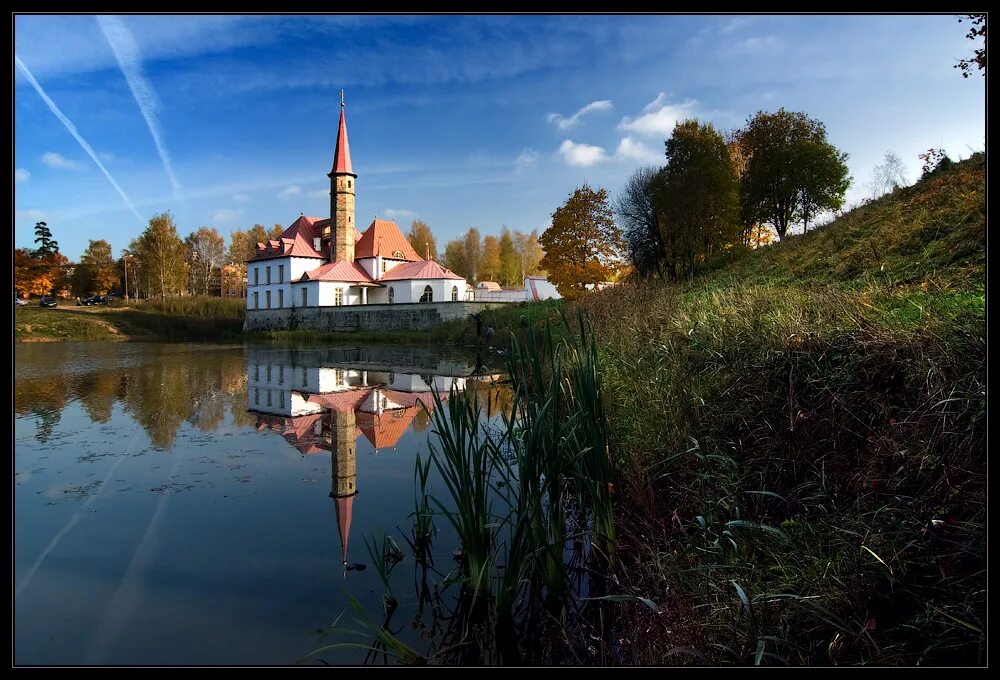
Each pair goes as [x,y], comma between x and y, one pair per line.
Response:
[21,175]
[634,150]
[241,198]
[290,192]
[31,214]
[56,160]
[394,213]
[564,123]
[658,117]
[127,54]
[226,215]
[581,155]
[526,159]
[320,193]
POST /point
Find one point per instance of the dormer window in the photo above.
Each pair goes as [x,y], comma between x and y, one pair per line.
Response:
[398,254]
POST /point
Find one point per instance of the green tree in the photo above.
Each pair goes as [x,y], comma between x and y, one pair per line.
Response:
[473,253]
[792,172]
[583,244]
[454,258]
[697,199]
[161,256]
[422,240]
[640,220]
[47,245]
[510,267]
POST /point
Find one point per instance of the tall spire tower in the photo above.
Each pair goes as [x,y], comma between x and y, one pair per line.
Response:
[342,181]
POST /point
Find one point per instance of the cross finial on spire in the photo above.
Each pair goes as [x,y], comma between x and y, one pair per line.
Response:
[341,98]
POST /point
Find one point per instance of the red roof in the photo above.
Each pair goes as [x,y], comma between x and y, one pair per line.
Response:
[384,238]
[385,430]
[342,155]
[341,270]
[424,269]
[345,401]
[345,507]
[295,241]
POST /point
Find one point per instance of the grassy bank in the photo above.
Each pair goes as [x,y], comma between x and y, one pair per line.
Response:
[799,438]
[202,319]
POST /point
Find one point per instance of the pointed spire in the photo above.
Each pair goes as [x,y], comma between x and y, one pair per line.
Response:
[342,155]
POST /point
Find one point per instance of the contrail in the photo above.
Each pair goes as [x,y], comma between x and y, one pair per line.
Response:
[76,135]
[127,53]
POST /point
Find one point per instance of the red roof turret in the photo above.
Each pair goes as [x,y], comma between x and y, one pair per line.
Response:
[342,155]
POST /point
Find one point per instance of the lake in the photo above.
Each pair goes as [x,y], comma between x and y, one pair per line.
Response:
[204,504]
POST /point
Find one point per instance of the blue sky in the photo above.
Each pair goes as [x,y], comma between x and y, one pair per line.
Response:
[462,121]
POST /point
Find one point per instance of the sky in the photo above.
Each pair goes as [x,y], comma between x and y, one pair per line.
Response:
[226,120]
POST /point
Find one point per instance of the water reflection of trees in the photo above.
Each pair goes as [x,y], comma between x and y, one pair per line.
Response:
[161,394]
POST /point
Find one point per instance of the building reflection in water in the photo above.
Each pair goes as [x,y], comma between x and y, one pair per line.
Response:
[319,409]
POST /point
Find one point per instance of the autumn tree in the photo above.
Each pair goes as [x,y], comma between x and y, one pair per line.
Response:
[583,244]
[41,271]
[792,172]
[490,267]
[160,252]
[206,251]
[976,31]
[529,253]
[510,268]
[422,240]
[640,220]
[697,200]
[96,273]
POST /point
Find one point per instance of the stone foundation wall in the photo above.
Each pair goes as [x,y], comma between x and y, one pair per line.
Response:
[397,317]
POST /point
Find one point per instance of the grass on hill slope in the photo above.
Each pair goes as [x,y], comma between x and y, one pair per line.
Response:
[800,442]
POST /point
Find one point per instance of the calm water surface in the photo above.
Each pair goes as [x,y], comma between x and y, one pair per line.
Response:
[186,504]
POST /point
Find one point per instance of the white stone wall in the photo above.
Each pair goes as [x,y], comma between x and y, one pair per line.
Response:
[294,268]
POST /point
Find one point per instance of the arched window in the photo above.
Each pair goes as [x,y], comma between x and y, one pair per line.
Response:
[428,295]
[348,184]
[454,293]
[392,295]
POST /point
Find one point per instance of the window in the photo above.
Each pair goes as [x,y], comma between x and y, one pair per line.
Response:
[348,184]
[256,372]
[267,296]
[316,244]
[268,272]
[305,297]
[256,396]
[338,296]
[256,300]
[281,375]
[269,397]
[454,293]
[428,295]
[256,275]
[281,399]
[281,299]
[392,295]
[398,253]
[383,266]
[268,373]
[305,377]
[281,273]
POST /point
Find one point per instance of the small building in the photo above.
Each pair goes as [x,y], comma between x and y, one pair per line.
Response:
[489,286]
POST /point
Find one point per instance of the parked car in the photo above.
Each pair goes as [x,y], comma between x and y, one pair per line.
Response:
[18,302]
[47,301]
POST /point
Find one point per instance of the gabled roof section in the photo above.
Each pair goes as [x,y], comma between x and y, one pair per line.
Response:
[342,154]
[384,430]
[424,269]
[295,241]
[384,238]
[341,270]
[322,224]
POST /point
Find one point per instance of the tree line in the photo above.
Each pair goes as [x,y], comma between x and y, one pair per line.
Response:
[159,263]
[713,193]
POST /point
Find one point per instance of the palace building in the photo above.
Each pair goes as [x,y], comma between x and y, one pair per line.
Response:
[327,262]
